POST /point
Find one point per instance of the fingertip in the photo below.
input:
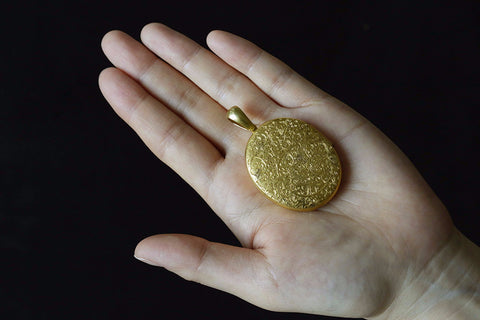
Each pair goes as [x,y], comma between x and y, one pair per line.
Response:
[145,261]
[105,76]
[142,253]
[233,49]
[107,72]
[109,37]
[216,37]
[170,251]
[151,28]
[141,248]
[151,25]
[146,28]
[120,91]
[212,34]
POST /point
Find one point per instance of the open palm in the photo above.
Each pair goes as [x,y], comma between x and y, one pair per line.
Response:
[351,257]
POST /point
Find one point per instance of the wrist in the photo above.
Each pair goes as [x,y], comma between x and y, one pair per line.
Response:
[448,287]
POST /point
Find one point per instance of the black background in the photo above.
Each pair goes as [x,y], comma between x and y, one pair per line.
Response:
[78,189]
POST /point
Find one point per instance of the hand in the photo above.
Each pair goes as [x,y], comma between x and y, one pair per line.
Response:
[361,255]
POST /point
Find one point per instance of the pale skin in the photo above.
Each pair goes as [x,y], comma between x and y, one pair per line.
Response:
[383,248]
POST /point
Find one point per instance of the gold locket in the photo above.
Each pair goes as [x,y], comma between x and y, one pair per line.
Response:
[290,161]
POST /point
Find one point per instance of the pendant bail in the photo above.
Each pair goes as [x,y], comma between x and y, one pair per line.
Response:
[238,117]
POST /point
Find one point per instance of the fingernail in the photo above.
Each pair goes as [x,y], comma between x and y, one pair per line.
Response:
[144,260]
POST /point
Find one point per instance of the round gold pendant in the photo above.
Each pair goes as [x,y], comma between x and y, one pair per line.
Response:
[290,161]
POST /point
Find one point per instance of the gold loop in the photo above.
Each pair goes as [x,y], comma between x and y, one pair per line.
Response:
[236,115]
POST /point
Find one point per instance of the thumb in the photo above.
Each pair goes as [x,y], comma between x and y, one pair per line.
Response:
[240,271]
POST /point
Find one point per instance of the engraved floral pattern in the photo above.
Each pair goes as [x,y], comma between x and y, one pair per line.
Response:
[293,164]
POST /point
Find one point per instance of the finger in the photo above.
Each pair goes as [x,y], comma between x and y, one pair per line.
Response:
[172,140]
[169,86]
[270,74]
[287,87]
[220,81]
[239,271]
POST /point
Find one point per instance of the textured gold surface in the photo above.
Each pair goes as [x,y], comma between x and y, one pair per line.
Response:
[293,164]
